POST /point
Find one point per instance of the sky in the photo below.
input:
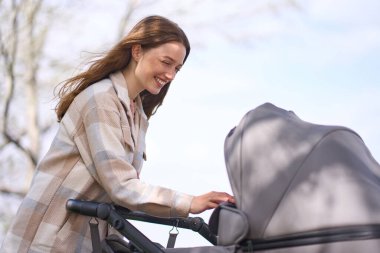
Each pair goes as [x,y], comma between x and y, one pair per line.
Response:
[319,59]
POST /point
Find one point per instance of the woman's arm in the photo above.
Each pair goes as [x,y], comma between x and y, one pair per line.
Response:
[106,155]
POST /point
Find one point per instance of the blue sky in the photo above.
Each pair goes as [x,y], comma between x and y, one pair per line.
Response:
[320,60]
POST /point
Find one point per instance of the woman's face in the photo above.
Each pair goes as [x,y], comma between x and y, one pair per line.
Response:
[158,66]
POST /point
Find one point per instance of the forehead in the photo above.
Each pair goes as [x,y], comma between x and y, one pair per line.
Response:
[176,51]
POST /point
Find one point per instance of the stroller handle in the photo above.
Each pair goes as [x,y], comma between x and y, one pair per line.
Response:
[89,208]
[103,211]
[107,212]
[195,224]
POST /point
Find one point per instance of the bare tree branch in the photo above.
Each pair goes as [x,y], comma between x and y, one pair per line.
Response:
[32,66]
[131,7]
[18,144]
[9,56]
[3,50]
[22,10]
[10,191]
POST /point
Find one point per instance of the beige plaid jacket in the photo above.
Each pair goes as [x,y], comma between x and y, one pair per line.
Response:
[96,155]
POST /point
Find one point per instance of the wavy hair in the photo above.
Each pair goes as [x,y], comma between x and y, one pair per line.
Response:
[150,32]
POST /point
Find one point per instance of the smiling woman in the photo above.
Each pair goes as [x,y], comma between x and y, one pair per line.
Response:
[153,68]
[153,32]
[99,149]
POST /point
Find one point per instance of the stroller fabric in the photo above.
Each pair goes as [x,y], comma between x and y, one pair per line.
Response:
[291,177]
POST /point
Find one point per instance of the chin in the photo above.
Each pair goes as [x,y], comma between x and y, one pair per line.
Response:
[154,92]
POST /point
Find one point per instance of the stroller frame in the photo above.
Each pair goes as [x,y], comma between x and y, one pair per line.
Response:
[118,217]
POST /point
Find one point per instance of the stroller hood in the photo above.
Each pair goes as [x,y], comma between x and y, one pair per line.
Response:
[290,176]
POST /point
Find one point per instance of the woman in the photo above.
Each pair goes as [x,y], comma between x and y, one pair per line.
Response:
[98,151]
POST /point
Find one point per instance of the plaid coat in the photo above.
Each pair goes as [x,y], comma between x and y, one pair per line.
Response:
[96,155]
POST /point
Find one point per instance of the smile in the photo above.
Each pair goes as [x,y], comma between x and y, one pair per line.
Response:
[160,81]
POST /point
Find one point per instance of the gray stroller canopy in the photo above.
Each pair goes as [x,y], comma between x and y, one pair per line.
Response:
[290,176]
[299,187]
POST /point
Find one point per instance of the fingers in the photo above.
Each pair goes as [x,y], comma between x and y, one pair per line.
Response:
[219,197]
[212,205]
[209,201]
[231,199]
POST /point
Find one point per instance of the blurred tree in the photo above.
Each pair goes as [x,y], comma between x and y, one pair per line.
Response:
[23,33]
[22,38]
[26,67]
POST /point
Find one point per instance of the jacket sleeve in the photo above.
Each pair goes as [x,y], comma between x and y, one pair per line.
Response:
[101,145]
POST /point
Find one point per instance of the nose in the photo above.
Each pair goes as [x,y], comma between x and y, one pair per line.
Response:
[170,74]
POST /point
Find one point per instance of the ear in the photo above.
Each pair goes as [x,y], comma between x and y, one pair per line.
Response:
[136,51]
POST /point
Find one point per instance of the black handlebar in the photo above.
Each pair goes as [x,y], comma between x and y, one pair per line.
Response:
[116,216]
[107,212]
[196,224]
[89,208]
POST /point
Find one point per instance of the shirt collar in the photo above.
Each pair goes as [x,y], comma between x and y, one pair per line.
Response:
[121,89]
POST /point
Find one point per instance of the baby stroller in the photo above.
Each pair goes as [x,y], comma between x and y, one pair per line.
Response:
[299,187]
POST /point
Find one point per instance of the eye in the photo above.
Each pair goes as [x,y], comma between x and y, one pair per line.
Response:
[166,63]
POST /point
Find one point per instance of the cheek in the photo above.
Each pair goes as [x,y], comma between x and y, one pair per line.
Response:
[140,72]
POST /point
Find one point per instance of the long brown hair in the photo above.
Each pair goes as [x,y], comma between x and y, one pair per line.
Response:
[150,32]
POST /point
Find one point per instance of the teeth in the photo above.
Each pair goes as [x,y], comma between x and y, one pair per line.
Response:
[160,81]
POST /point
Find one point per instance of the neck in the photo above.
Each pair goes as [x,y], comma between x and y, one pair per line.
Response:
[129,76]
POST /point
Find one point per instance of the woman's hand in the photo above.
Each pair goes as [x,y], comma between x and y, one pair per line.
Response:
[209,201]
